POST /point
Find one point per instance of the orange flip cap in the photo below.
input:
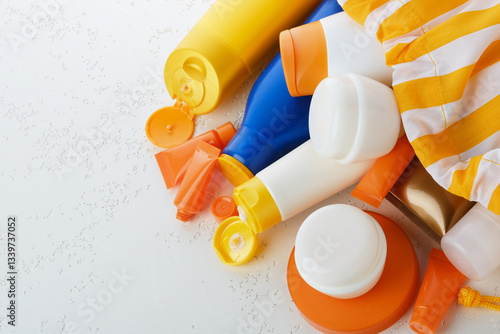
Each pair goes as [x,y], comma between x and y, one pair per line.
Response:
[305,58]
[224,207]
[174,161]
[391,297]
[193,188]
[441,284]
[384,173]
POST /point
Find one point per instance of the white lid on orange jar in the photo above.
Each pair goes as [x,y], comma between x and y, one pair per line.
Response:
[340,251]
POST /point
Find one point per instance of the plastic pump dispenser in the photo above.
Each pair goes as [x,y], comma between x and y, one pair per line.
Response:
[348,116]
[472,245]
[226,46]
[340,251]
[335,45]
[274,124]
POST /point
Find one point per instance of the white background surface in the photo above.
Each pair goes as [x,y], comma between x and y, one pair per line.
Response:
[96,222]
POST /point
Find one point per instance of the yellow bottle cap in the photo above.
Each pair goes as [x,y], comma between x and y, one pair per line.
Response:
[235,242]
[170,126]
[233,170]
[256,205]
[203,70]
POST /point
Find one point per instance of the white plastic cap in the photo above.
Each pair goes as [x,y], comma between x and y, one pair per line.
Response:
[353,118]
[473,244]
[340,251]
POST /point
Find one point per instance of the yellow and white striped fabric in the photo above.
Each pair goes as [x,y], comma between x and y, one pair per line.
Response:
[446,55]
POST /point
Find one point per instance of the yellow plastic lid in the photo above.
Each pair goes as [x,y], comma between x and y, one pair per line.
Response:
[235,242]
[233,170]
[256,205]
[170,126]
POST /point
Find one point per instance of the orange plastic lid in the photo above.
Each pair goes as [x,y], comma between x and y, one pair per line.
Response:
[377,309]
[305,58]
[224,207]
[170,126]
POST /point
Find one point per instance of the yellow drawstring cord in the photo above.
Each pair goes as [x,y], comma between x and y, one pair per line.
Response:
[471,298]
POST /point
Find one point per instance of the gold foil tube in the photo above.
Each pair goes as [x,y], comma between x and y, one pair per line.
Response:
[426,203]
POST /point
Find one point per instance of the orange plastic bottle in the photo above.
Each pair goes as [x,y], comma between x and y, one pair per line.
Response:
[192,190]
[173,162]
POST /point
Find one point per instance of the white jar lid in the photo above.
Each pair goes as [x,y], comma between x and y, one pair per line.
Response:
[353,118]
[340,251]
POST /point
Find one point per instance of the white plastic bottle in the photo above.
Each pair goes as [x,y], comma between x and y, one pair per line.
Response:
[332,46]
[290,185]
[473,244]
[353,118]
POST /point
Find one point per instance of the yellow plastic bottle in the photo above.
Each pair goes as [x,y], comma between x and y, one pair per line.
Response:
[224,48]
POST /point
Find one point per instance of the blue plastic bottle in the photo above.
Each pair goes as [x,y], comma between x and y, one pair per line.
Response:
[274,124]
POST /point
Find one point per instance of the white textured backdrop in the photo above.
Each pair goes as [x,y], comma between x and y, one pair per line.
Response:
[99,248]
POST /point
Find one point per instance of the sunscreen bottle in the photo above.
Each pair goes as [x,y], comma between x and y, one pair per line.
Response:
[332,46]
[299,180]
[225,47]
[274,124]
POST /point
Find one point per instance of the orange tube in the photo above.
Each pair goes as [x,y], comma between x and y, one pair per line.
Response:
[173,162]
[189,198]
[386,170]
[441,284]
